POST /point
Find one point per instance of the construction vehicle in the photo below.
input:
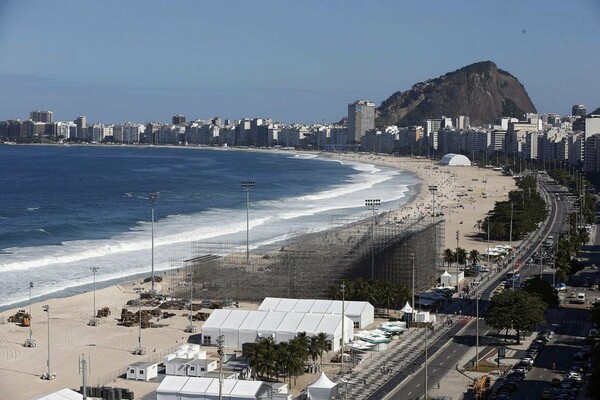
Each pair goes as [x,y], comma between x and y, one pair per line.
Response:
[21,317]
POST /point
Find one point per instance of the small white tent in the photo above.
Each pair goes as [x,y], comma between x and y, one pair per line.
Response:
[407,309]
[445,278]
[322,389]
[452,159]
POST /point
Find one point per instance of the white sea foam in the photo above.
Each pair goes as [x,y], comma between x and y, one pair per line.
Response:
[66,266]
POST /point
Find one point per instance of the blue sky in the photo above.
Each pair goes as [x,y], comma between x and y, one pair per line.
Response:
[293,61]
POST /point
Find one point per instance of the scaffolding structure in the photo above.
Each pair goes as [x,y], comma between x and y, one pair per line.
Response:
[309,263]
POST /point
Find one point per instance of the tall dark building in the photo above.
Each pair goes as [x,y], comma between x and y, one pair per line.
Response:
[361,118]
[178,120]
[81,123]
[579,110]
[41,116]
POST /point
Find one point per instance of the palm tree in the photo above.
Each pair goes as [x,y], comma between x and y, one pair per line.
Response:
[322,345]
[474,257]
[461,256]
[263,358]
[448,256]
[313,351]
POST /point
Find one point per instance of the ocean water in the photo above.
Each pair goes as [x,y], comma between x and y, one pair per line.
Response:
[65,209]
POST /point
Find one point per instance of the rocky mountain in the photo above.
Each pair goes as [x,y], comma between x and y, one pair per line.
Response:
[481,90]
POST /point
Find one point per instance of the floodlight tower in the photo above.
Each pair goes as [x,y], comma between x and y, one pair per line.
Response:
[139,350]
[48,375]
[433,189]
[247,186]
[94,320]
[372,204]
[153,197]
[30,342]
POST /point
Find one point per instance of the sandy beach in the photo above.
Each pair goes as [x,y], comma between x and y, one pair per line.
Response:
[465,195]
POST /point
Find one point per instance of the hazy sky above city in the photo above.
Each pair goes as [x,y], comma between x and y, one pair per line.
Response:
[293,61]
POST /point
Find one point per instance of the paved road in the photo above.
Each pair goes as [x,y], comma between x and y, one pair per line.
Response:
[453,351]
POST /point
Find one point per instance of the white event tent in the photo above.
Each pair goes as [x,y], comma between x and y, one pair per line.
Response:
[188,388]
[322,389]
[362,313]
[455,160]
[241,326]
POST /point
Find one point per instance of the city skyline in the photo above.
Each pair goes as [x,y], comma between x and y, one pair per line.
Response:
[292,62]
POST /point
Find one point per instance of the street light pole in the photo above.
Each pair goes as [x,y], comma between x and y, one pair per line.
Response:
[247,186]
[426,357]
[488,243]
[30,342]
[343,314]
[153,197]
[94,321]
[477,332]
[511,223]
[412,257]
[48,375]
[457,267]
[372,203]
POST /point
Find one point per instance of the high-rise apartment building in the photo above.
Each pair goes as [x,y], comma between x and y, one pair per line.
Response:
[81,123]
[178,120]
[361,118]
[41,116]
[579,110]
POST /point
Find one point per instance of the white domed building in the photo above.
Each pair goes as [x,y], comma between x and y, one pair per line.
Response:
[458,160]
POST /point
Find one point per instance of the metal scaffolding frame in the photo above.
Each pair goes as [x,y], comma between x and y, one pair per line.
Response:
[309,263]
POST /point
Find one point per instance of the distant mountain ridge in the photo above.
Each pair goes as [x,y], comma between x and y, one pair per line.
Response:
[481,91]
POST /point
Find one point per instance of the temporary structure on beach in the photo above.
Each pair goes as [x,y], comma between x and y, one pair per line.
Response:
[63,394]
[452,159]
[362,313]
[142,371]
[241,326]
[445,278]
[322,389]
[189,388]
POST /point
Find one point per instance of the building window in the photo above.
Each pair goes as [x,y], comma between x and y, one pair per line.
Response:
[132,371]
[192,368]
[142,372]
[206,339]
[356,325]
[202,369]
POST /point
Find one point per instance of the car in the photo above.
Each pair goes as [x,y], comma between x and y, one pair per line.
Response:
[527,360]
[484,269]
[545,394]
[556,381]
[572,295]
[543,338]
[522,370]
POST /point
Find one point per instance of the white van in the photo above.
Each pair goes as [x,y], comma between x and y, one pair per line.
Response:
[580,299]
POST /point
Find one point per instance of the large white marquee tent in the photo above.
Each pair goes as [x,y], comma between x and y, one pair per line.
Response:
[188,388]
[455,160]
[362,313]
[242,326]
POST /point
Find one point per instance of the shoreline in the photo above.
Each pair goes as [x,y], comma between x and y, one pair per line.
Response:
[109,346]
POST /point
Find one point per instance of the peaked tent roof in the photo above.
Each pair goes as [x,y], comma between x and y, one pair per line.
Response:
[323,382]
[446,274]
[407,308]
